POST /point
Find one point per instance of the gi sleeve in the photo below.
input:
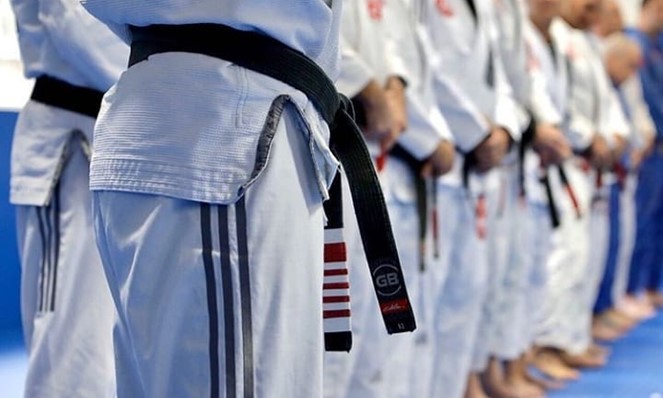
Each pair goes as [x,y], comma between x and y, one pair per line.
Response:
[643,125]
[98,53]
[355,72]
[508,113]
[468,126]
[426,125]
[615,122]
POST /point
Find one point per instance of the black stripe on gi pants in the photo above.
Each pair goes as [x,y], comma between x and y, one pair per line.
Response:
[48,218]
[220,213]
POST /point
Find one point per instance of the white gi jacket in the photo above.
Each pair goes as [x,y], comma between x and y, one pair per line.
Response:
[510,20]
[643,128]
[471,82]
[60,39]
[190,126]
[364,52]
[469,55]
[547,69]
[405,39]
[594,106]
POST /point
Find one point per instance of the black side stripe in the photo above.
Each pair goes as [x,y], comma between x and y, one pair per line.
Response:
[44,251]
[228,303]
[56,244]
[206,232]
[49,255]
[245,287]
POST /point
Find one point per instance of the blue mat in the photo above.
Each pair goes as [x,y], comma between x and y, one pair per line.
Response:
[9,266]
[635,369]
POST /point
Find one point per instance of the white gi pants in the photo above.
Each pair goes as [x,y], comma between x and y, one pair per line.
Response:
[627,224]
[431,284]
[401,198]
[503,326]
[460,298]
[220,300]
[66,308]
[537,248]
[339,367]
[599,235]
[379,360]
[565,321]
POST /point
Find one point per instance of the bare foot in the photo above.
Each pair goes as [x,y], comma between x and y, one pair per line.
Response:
[587,359]
[655,298]
[604,330]
[518,382]
[636,307]
[474,388]
[546,384]
[550,363]
[621,318]
[597,349]
[499,384]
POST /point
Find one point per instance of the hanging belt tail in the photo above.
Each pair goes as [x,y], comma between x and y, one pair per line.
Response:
[267,56]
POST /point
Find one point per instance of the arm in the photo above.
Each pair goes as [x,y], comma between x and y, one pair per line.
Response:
[355,73]
[426,126]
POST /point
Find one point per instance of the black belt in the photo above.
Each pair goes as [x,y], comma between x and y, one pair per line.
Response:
[415,165]
[60,94]
[553,211]
[267,56]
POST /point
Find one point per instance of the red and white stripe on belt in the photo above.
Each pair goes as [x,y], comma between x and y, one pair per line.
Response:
[336,286]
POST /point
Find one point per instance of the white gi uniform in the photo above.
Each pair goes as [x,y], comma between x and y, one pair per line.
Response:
[378,42]
[574,273]
[612,122]
[66,307]
[209,181]
[426,129]
[363,58]
[547,68]
[642,128]
[465,54]
[504,311]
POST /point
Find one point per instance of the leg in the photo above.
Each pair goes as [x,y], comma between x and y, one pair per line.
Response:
[214,299]
[461,298]
[67,308]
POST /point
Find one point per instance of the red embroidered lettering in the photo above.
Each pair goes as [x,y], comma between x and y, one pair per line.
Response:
[444,8]
[375,9]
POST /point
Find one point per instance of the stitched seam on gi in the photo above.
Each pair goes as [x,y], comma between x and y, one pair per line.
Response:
[245,296]
[266,139]
[206,231]
[228,302]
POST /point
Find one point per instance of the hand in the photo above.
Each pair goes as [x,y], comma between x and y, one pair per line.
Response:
[379,123]
[649,145]
[493,149]
[619,149]
[599,153]
[551,145]
[440,162]
[637,156]
[395,93]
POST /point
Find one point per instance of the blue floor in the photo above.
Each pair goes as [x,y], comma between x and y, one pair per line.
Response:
[635,369]
[13,364]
